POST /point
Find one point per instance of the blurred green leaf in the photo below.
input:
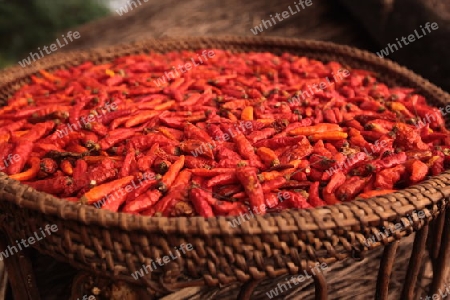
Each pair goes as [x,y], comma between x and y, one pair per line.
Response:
[26,25]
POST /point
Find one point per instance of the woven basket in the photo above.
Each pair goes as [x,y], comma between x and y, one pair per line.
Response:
[116,245]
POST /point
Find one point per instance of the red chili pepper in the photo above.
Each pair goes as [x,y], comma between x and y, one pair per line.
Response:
[375,193]
[387,162]
[48,165]
[54,186]
[438,165]
[246,150]
[168,178]
[22,151]
[113,202]
[197,148]
[116,137]
[66,167]
[193,132]
[418,171]
[143,202]
[336,180]
[273,184]
[177,192]
[198,162]
[143,142]
[386,178]
[225,153]
[130,158]
[279,142]
[299,151]
[100,173]
[38,131]
[296,199]
[200,199]
[222,179]
[314,197]
[408,137]
[211,173]
[351,187]
[247,176]
[80,170]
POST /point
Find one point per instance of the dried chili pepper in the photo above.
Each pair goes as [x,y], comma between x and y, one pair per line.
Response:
[318,128]
[222,179]
[199,199]
[351,187]
[247,176]
[55,185]
[22,150]
[238,119]
[143,202]
[48,165]
[418,171]
[103,190]
[66,167]
[31,173]
[177,192]
[387,162]
[168,178]
[386,178]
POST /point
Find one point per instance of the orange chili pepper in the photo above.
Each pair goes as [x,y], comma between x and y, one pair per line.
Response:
[172,173]
[268,156]
[375,193]
[329,136]
[4,137]
[247,113]
[140,118]
[100,191]
[165,106]
[67,167]
[35,166]
[322,127]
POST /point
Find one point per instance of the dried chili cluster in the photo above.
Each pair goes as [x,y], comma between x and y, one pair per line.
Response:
[232,132]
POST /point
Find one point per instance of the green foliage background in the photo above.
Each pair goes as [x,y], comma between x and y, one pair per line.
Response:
[26,25]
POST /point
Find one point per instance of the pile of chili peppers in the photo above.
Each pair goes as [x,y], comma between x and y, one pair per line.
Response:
[231,133]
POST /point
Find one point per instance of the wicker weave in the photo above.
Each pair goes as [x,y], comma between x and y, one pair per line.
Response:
[117,245]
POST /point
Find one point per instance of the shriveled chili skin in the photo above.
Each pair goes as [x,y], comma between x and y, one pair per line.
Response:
[143,202]
[169,178]
[408,137]
[114,203]
[297,200]
[386,178]
[249,179]
[177,193]
[351,187]
[199,200]
[418,171]
[48,165]
[55,185]
[23,150]
[388,162]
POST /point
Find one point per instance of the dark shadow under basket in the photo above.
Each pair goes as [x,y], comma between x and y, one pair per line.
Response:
[116,245]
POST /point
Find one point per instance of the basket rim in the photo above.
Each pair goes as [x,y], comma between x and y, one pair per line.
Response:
[327,217]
